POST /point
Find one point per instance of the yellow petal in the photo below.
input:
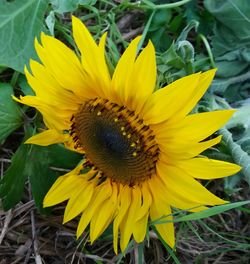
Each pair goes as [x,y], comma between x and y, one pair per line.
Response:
[210,121]
[48,89]
[79,200]
[103,217]
[140,228]
[146,202]
[83,39]
[123,71]
[93,57]
[185,128]
[58,121]
[62,190]
[204,168]
[141,83]
[141,220]
[178,149]
[128,221]
[125,201]
[178,181]
[166,102]
[160,210]
[204,82]
[102,192]
[103,66]
[62,64]
[46,138]
[174,198]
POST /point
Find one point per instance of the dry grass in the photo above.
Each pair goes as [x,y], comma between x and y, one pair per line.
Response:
[26,236]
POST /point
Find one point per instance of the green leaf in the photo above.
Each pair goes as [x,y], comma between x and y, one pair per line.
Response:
[10,112]
[41,165]
[87,2]
[159,38]
[26,89]
[161,19]
[60,157]
[40,175]
[172,58]
[30,162]
[12,184]
[193,24]
[220,85]
[231,39]
[235,15]
[241,117]
[50,22]
[238,154]
[44,168]
[245,142]
[62,6]
[20,22]
[230,184]
[157,29]
[230,67]
[211,211]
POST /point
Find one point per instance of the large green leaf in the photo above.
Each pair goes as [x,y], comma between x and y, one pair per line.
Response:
[231,39]
[45,165]
[62,6]
[25,87]
[40,175]
[10,113]
[60,157]
[235,15]
[41,165]
[20,22]
[12,184]
[157,30]
[31,162]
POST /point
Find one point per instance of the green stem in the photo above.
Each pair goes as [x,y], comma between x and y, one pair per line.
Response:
[210,54]
[166,6]
[145,31]
[14,79]
[151,6]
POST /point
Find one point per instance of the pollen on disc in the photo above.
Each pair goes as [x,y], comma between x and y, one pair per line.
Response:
[115,141]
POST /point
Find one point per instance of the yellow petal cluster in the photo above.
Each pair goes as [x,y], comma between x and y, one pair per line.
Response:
[63,83]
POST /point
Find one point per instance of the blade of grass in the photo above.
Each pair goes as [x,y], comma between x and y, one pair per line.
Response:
[242,245]
[145,31]
[211,211]
[140,253]
[203,214]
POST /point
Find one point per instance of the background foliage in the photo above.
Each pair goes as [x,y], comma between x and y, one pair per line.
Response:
[189,36]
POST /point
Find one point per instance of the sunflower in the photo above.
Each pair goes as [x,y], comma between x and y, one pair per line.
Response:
[140,147]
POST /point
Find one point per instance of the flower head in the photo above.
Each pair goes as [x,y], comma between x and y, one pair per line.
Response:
[140,147]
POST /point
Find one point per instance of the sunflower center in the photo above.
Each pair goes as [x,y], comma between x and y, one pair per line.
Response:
[116,141]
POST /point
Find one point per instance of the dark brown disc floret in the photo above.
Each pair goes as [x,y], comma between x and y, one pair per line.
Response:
[116,141]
